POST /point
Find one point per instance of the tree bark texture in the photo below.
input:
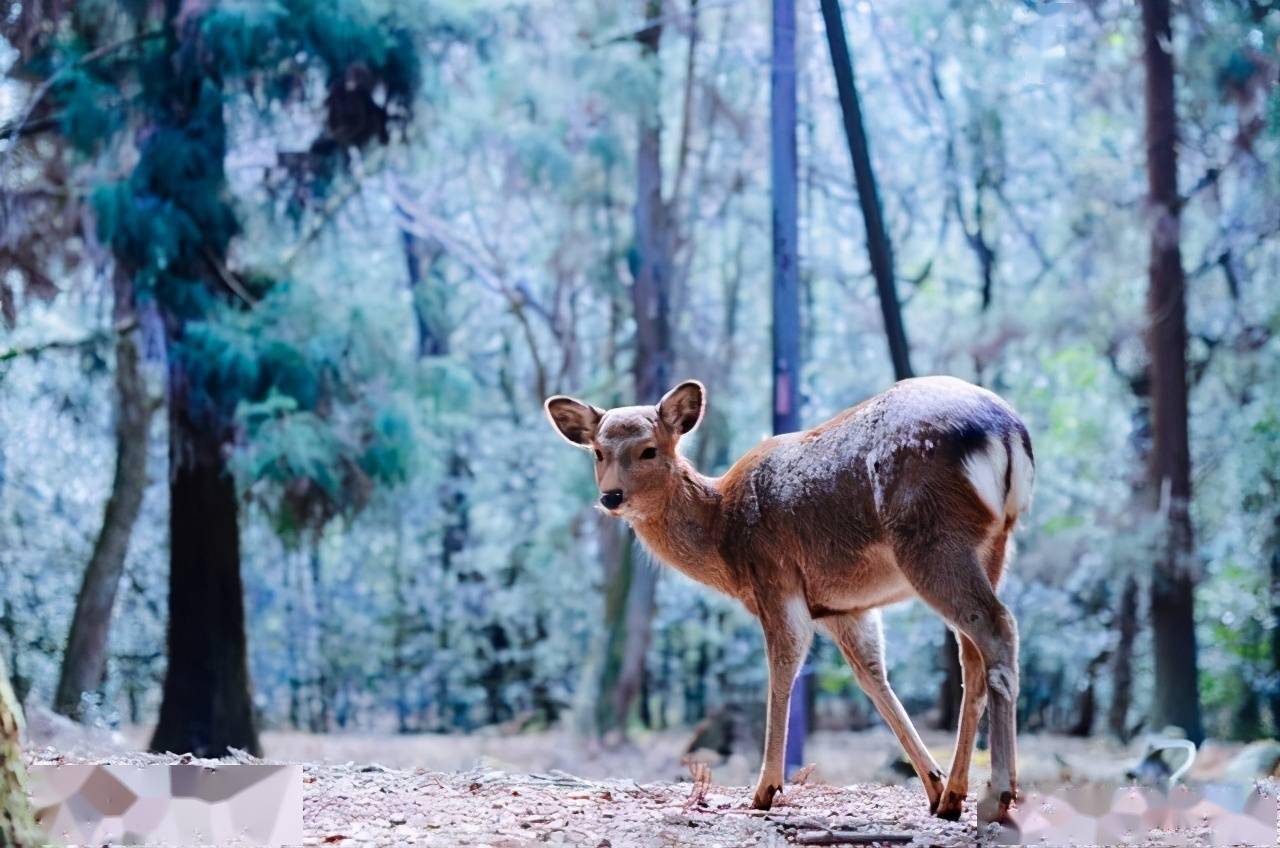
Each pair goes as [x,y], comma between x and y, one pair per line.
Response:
[17,825]
[1176,700]
[84,663]
[207,706]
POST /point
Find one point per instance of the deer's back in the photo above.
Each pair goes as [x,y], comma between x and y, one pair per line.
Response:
[933,455]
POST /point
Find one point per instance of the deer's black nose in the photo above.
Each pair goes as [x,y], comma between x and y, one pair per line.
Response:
[611,499]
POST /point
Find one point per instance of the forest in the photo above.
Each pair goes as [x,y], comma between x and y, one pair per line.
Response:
[284,285]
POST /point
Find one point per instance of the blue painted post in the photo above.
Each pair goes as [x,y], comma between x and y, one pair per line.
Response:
[786,288]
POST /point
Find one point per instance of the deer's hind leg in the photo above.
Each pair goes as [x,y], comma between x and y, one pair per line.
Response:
[861,640]
[949,576]
[971,707]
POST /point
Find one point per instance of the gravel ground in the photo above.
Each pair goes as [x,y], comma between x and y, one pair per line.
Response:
[371,804]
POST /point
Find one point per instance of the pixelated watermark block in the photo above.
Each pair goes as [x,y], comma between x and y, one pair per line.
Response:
[173,805]
[1109,814]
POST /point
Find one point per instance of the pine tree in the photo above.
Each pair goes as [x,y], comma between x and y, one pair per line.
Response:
[164,79]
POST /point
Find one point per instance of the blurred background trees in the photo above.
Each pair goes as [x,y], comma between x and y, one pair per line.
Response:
[349,248]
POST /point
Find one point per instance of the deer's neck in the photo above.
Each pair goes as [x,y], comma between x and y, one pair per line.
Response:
[685,533]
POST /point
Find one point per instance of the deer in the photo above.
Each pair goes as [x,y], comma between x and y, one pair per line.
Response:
[912,493]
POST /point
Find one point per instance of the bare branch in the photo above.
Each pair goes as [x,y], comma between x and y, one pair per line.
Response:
[69,344]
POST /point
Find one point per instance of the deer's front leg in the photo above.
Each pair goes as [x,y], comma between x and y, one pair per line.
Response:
[788,632]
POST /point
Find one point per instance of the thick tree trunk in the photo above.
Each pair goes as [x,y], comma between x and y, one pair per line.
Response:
[1176,700]
[206,706]
[17,826]
[84,663]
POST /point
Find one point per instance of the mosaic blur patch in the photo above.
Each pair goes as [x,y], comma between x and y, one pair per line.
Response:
[179,804]
[1107,814]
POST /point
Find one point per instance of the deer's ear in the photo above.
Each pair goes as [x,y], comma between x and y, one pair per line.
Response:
[681,408]
[574,420]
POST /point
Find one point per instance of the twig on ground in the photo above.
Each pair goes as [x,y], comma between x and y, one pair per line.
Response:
[848,837]
[802,774]
[701,773]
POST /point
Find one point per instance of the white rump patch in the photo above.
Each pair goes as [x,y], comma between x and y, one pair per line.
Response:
[1023,479]
[985,470]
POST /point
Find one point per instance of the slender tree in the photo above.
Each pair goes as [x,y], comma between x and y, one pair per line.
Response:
[879,245]
[630,583]
[84,662]
[1176,699]
[880,254]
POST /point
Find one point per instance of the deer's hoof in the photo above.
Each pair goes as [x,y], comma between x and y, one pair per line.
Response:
[763,798]
[950,807]
[994,807]
[934,789]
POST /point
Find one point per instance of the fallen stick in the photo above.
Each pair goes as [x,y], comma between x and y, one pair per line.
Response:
[848,837]
[701,773]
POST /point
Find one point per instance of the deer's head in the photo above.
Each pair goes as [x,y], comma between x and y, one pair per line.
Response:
[634,447]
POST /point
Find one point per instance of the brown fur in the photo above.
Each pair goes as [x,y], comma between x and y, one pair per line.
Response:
[883,526]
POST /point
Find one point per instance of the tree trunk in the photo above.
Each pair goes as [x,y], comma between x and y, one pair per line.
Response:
[1122,666]
[427,291]
[1176,700]
[17,825]
[879,246]
[206,707]
[880,255]
[84,664]
[630,587]
[1273,697]
[951,693]
[603,698]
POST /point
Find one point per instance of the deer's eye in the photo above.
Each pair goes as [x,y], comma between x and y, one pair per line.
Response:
[599,456]
[648,453]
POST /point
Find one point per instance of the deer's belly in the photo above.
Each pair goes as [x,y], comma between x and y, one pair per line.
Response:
[871,579]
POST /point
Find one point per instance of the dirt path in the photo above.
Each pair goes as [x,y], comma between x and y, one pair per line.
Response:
[348,806]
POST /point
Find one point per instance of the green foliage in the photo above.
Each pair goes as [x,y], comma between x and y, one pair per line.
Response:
[316,434]
[91,110]
[242,37]
[312,444]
